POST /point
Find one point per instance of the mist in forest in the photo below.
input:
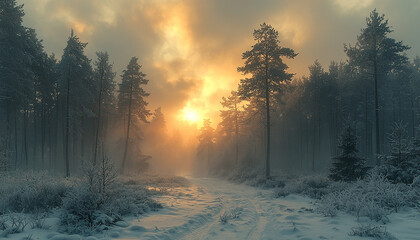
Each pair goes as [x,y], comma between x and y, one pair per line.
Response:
[174,87]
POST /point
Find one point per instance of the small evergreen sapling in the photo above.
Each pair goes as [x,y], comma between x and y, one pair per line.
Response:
[348,166]
[402,165]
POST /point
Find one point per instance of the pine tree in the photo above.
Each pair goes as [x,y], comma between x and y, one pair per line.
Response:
[131,99]
[105,85]
[15,72]
[348,166]
[76,80]
[268,73]
[402,165]
[231,119]
[158,124]
[316,94]
[206,139]
[376,54]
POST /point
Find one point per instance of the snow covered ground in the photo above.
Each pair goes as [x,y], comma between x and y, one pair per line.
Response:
[216,209]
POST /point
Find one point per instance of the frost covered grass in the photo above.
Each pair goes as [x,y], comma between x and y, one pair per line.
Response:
[87,204]
[31,192]
[86,212]
[12,223]
[312,186]
[254,177]
[101,199]
[374,197]
[157,181]
[371,231]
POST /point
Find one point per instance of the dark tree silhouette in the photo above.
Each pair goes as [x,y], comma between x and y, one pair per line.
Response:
[377,54]
[268,73]
[348,166]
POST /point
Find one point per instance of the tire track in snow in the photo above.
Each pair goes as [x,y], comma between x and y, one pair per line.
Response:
[252,220]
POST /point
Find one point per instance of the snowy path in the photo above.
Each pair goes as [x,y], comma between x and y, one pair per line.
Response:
[194,213]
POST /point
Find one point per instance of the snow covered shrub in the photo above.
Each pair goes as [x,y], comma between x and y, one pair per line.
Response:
[37,220]
[230,214]
[32,192]
[312,186]
[99,201]
[12,223]
[316,186]
[392,196]
[253,175]
[86,212]
[80,211]
[126,200]
[373,211]
[372,231]
[328,208]
[374,197]
[402,165]
[100,178]
[348,166]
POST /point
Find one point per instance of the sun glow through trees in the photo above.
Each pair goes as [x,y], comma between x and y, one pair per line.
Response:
[190,115]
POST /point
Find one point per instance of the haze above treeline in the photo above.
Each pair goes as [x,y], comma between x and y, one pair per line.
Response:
[60,112]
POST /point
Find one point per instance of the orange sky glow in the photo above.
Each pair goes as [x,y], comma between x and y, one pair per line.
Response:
[190,49]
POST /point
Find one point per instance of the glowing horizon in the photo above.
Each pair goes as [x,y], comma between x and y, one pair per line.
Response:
[190,49]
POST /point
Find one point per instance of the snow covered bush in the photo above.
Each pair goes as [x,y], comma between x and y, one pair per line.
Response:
[255,175]
[230,214]
[372,231]
[402,164]
[328,208]
[312,186]
[374,197]
[31,192]
[81,212]
[100,200]
[12,223]
[86,212]
[37,220]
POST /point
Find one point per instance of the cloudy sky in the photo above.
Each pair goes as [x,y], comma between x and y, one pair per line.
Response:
[190,49]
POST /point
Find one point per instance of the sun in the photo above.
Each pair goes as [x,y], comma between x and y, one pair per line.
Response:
[190,115]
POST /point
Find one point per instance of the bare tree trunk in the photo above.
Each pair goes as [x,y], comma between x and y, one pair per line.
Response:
[375,76]
[83,135]
[413,120]
[313,143]
[128,128]
[34,157]
[16,141]
[319,132]
[267,108]
[366,125]
[43,133]
[99,117]
[236,135]
[25,135]
[68,124]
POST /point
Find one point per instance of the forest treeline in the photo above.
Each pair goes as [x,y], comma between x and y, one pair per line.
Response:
[58,114]
[296,124]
